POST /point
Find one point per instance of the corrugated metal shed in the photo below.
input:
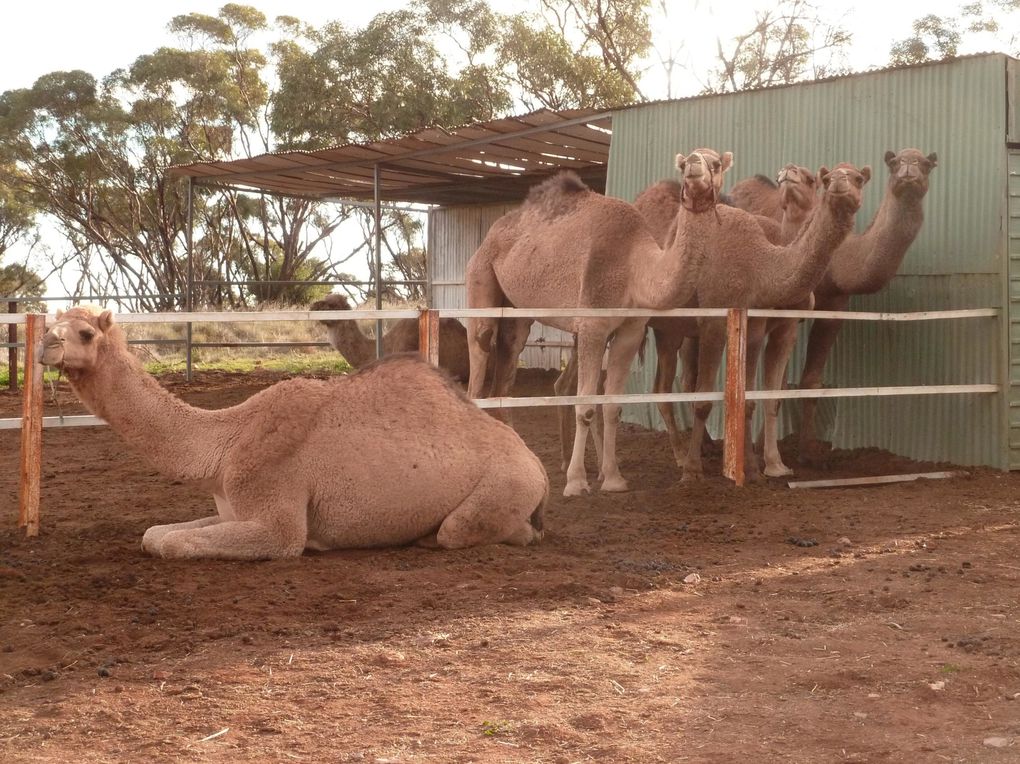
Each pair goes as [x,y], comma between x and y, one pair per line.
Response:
[964,110]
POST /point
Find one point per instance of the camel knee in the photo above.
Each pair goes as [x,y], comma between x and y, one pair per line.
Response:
[702,409]
[611,414]
[749,409]
[585,416]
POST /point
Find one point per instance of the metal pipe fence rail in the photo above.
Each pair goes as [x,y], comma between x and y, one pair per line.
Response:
[734,394]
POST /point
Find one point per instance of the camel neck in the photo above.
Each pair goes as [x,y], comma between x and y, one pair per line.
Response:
[882,247]
[801,264]
[670,280]
[178,439]
[354,346]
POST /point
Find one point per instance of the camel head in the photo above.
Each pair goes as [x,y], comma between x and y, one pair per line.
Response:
[798,187]
[72,343]
[843,185]
[909,172]
[702,177]
[332,301]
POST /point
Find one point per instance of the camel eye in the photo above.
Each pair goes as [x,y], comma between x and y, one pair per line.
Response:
[86,335]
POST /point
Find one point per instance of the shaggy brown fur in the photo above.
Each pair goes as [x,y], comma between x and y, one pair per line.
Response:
[385,457]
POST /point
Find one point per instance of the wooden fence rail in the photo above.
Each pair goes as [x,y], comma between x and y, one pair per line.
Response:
[735,394]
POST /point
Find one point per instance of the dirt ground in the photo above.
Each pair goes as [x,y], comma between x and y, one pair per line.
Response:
[870,624]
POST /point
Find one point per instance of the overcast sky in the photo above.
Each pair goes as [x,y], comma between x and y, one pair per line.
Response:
[102,35]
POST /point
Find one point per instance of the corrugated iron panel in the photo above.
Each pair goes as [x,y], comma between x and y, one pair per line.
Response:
[454,233]
[956,109]
[1013,271]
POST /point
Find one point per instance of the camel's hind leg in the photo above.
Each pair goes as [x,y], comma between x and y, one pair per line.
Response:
[500,510]
[820,342]
[566,384]
[625,344]
[511,338]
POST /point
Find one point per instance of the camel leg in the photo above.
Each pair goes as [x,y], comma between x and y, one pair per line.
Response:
[755,340]
[665,372]
[626,341]
[781,341]
[689,383]
[820,343]
[566,384]
[153,537]
[510,341]
[711,341]
[497,511]
[481,341]
[591,346]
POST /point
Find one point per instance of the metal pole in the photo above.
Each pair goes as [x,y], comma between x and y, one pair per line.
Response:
[31,428]
[378,263]
[190,295]
[12,353]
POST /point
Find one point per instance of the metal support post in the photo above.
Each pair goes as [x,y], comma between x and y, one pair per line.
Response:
[736,388]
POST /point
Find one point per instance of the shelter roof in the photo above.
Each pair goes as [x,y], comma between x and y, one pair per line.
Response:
[495,161]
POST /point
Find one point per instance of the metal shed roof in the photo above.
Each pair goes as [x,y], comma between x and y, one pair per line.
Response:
[495,161]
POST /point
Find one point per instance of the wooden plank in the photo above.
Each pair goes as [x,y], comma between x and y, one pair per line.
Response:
[428,336]
[875,480]
[736,384]
[870,392]
[31,430]
[926,315]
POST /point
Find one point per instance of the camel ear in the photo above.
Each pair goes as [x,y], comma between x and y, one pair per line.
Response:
[105,321]
[727,161]
[823,175]
[866,172]
[889,157]
[680,161]
[934,159]
[59,313]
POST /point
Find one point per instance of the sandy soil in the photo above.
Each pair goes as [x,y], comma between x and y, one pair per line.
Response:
[876,624]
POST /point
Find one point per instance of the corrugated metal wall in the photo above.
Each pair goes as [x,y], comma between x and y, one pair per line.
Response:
[1013,252]
[454,233]
[958,110]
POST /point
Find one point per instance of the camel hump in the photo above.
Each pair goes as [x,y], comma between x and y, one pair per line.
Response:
[557,194]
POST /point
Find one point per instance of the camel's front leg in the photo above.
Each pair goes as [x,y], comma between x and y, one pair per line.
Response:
[153,537]
[566,384]
[624,346]
[711,342]
[591,345]
[666,349]
[273,524]
[781,340]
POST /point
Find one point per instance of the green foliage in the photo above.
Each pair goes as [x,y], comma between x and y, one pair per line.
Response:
[934,38]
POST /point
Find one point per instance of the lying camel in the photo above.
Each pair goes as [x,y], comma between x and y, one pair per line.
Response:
[394,454]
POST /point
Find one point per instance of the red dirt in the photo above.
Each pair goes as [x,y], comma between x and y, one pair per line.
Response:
[899,646]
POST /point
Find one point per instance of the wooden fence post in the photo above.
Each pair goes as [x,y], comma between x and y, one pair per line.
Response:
[736,387]
[12,353]
[31,427]
[428,335]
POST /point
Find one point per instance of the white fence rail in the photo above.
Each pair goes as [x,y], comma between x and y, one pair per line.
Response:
[32,422]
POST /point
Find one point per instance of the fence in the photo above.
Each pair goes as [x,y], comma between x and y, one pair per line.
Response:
[735,393]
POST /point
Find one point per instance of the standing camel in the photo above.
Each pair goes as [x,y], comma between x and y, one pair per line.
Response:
[794,197]
[864,264]
[742,269]
[569,247]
